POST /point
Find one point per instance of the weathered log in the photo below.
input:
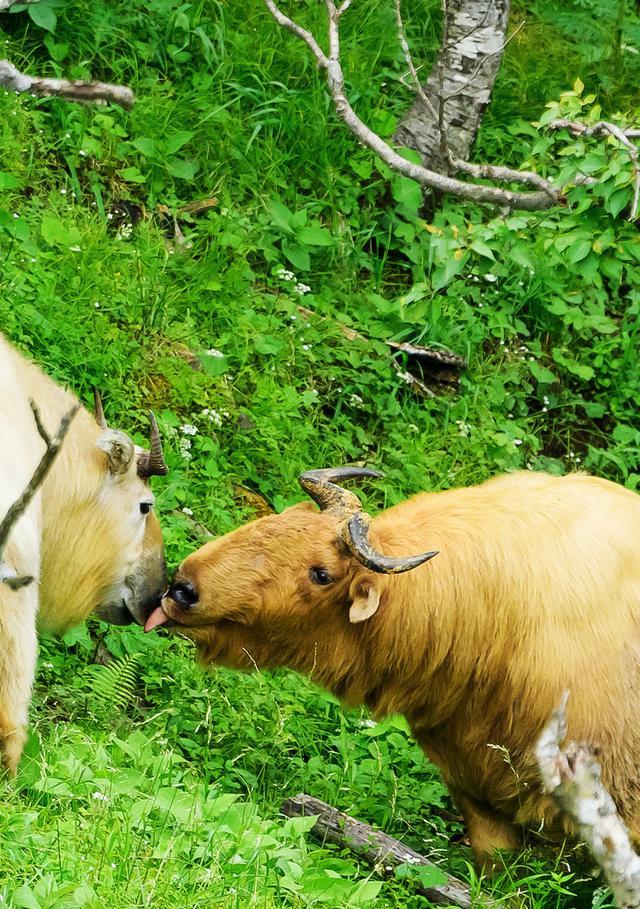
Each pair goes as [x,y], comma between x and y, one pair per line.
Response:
[376,847]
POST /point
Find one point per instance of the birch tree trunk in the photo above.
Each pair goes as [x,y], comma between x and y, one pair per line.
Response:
[459,87]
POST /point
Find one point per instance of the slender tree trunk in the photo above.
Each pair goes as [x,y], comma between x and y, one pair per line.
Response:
[460,83]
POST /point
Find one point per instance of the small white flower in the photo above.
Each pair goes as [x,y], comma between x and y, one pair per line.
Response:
[187,511]
[302,289]
[285,274]
[82,153]
[63,192]
[97,305]
[214,352]
[517,442]
[188,429]
[490,277]
[306,346]
[100,797]
[16,215]
[75,249]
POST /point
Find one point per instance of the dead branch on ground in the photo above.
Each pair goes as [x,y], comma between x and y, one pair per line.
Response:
[53,445]
[376,847]
[571,776]
[72,90]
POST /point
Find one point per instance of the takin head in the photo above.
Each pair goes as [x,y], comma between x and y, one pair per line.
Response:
[107,520]
[287,589]
[144,578]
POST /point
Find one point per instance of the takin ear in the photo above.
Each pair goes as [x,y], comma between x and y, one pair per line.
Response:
[365,599]
[119,450]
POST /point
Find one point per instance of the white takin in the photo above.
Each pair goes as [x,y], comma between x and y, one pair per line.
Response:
[89,538]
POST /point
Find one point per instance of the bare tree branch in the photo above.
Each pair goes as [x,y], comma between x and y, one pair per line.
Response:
[73,90]
[404,44]
[376,847]
[531,201]
[604,128]
[571,776]
[53,446]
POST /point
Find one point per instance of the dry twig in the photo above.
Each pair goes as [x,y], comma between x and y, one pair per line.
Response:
[53,446]
[73,90]
[545,195]
[571,776]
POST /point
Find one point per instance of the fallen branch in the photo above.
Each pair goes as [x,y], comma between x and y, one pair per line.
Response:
[571,776]
[540,199]
[624,136]
[72,90]
[376,847]
[53,446]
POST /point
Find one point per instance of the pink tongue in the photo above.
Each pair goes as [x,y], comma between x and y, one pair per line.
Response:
[157,617]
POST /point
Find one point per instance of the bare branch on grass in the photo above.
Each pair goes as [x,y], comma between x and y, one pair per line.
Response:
[376,847]
[73,90]
[571,776]
[53,446]
[540,199]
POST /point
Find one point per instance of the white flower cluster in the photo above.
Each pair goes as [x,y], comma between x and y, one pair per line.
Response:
[214,352]
[214,416]
[285,274]
[302,289]
[463,428]
[356,401]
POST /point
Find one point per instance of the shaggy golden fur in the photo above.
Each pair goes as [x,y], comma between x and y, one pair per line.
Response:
[536,588]
[83,538]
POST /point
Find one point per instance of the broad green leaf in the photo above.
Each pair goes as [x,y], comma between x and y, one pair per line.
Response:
[43,15]
[314,235]
[297,255]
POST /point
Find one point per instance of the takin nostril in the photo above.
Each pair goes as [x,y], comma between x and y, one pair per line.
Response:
[183,593]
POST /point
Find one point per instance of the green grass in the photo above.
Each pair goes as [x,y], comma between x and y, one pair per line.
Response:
[150,783]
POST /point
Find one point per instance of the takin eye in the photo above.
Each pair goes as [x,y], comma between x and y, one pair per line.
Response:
[145,507]
[320,576]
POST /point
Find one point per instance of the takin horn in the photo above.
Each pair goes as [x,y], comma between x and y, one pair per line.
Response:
[322,487]
[152,463]
[355,534]
[98,410]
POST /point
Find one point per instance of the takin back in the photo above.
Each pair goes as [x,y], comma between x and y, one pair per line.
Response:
[535,589]
[89,538]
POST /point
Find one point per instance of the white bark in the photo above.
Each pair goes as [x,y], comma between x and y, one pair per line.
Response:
[571,776]
[460,85]
[73,90]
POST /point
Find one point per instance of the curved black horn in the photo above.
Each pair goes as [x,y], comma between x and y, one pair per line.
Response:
[322,486]
[152,463]
[356,536]
[98,410]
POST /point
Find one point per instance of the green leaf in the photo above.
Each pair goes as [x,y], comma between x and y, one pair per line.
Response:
[297,255]
[267,344]
[56,233]
[314,235]
[25,898]
[175,142]
[182,169]
[43,15]
[541,373]
[8,181]
[482,249]
[579,251]
[132,175]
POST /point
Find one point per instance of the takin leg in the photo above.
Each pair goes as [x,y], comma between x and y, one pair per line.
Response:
[489,832]
[18,649]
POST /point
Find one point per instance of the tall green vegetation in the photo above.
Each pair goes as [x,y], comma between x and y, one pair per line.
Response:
[147,782]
